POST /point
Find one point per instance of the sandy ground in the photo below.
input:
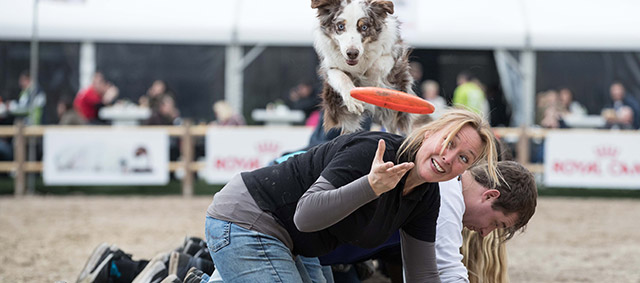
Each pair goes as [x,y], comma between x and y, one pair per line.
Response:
[48,239]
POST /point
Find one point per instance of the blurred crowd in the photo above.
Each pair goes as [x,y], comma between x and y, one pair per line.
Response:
[555,108]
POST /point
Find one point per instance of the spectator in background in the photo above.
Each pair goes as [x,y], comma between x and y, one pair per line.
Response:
[100,93]
[154,94]
[226,116]
[304,97]
[67,115]
[469,94]
[31,100]
[166,113]
[415,69]
[619,99]
[549,111]
[6,148]
[570,106]
[431,92]
[621,119]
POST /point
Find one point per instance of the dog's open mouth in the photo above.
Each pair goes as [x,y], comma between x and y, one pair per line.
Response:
[352,62]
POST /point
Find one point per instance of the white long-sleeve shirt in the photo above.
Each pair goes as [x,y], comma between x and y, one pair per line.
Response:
[449,233]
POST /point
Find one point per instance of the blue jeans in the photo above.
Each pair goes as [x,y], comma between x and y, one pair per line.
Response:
[243,255]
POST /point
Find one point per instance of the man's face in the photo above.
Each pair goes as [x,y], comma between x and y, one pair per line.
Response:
[24,81]
[617,92]
[100,84]
[479,216]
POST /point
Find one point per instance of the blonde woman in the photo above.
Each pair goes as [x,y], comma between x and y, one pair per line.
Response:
[358,188]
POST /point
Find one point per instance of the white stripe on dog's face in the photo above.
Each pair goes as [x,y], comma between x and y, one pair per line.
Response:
[348,31]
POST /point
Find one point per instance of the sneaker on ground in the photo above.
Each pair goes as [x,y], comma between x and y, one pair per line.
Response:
[155,271]
[96,262]
[192,278]
[180,263]
[195,270]
[172,278]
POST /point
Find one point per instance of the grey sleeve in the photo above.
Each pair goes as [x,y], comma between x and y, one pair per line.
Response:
[418,259]
[324,205]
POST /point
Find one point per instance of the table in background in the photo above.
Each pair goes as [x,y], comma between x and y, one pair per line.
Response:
[124,115]
[278,116]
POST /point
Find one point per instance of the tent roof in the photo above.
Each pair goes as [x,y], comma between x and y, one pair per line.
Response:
[471,24]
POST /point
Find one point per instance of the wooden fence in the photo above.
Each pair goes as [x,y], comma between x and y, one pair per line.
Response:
[187,132]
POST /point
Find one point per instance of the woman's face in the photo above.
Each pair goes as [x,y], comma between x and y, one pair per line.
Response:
[462,151]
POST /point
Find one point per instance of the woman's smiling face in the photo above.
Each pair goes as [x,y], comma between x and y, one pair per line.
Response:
[462,151]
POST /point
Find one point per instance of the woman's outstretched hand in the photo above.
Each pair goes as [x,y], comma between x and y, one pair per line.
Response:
[384,176]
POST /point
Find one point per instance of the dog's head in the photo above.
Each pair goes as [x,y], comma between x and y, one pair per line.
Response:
[352,23]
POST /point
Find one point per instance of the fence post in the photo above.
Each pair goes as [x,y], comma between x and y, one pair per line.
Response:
[187,151]
[523,146]
[19,156]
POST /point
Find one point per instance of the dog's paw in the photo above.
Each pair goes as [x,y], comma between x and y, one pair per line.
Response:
[354,106]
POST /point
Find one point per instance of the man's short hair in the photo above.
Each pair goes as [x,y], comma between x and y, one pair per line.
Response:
[518,192]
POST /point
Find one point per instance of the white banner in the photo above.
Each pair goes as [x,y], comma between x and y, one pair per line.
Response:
[231,150]
[105,157]
[592,160]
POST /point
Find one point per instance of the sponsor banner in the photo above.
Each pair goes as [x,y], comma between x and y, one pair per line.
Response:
[105,157]
[592,160]
[231,150]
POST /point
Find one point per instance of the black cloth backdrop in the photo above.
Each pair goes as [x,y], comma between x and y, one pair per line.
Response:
[194,72]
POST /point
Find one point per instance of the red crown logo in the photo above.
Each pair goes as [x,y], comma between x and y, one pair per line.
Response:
[268,146]
[606,151]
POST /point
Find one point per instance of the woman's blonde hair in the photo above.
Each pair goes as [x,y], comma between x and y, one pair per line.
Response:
[485,258]
[451,122]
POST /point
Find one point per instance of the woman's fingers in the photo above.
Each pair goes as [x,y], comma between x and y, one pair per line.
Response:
[399,170]
[384,176]
[380,151]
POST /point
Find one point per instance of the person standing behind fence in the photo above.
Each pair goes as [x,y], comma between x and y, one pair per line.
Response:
[619,99]
[154,95]
[165,113]
[67,115]
[431,92]
[304,97]
[30,102]
[100,93]
[226,116]
[568,105]
[469,94]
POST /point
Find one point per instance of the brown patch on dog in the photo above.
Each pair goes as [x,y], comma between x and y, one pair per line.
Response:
[381,7]
[369,29]
[322,3]
[377,13]
[327,12]
[399,75]
[332,105]
[401,78]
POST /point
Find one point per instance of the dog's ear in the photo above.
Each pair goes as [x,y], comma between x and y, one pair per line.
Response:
[386,6]
[319,3]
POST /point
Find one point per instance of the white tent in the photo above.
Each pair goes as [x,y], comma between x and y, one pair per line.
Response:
[475,24]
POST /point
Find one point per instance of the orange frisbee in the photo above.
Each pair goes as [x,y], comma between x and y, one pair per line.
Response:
[393,99]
